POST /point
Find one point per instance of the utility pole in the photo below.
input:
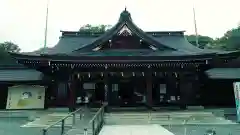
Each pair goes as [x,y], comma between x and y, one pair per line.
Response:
[195,25]
[46,29]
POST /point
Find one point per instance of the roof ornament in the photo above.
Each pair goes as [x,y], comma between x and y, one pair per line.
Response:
[152,47]
[97,48]
[125,15]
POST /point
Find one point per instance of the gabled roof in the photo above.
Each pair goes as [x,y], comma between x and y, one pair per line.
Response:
[124,20]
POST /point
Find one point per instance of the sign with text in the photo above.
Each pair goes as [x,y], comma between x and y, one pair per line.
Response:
[236,87]
[25,97]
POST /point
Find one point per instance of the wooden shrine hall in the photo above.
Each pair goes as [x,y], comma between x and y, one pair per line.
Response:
[125,66]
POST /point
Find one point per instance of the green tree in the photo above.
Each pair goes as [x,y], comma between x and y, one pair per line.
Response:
[9,47]
[5,58]
[230,40]
[203,41]
[88,28]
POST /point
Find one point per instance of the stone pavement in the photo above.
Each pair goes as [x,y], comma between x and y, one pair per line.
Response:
[49,119]
[30,113]
[201,129]
[134,130]
[32,122]
[11,121]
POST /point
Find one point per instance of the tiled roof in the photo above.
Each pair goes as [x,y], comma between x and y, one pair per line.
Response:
[223,73]
[134,52]
[67,45]
[8,75]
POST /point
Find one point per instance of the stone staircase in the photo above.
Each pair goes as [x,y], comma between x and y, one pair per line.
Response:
[164,118]
[126,118]
[169,119]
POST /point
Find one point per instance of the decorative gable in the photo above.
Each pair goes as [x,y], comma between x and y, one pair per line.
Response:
[125,31]
[125,35]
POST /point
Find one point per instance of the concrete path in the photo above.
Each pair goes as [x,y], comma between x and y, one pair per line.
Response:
[134,130]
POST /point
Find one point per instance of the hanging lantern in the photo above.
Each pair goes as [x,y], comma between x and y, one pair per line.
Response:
[133,73]
[89,75]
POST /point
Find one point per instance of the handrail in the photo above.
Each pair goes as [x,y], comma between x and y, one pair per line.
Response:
[185,122]
[94,117]
[98,116]
[62,120]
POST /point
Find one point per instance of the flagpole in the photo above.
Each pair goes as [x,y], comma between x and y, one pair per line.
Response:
[46,29]
[195,25]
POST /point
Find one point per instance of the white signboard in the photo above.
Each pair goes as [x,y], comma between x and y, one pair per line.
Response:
[236,87]
[26,97]
[89,86]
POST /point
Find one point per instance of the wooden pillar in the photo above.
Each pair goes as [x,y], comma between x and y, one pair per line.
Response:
[149,88]
[72,93]
[106,87]
[183,96]
[79,89]
[109,92]
[114,100]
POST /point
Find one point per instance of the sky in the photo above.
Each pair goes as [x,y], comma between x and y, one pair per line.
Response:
[23,21]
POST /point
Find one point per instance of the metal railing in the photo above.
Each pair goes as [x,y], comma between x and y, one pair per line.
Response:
[62,121]
[96,123]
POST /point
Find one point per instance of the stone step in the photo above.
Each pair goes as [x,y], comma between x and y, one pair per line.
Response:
[133,120]
[128,114]
[173,114]
[78,132]
[126,119]
[203,121]
[127,123]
